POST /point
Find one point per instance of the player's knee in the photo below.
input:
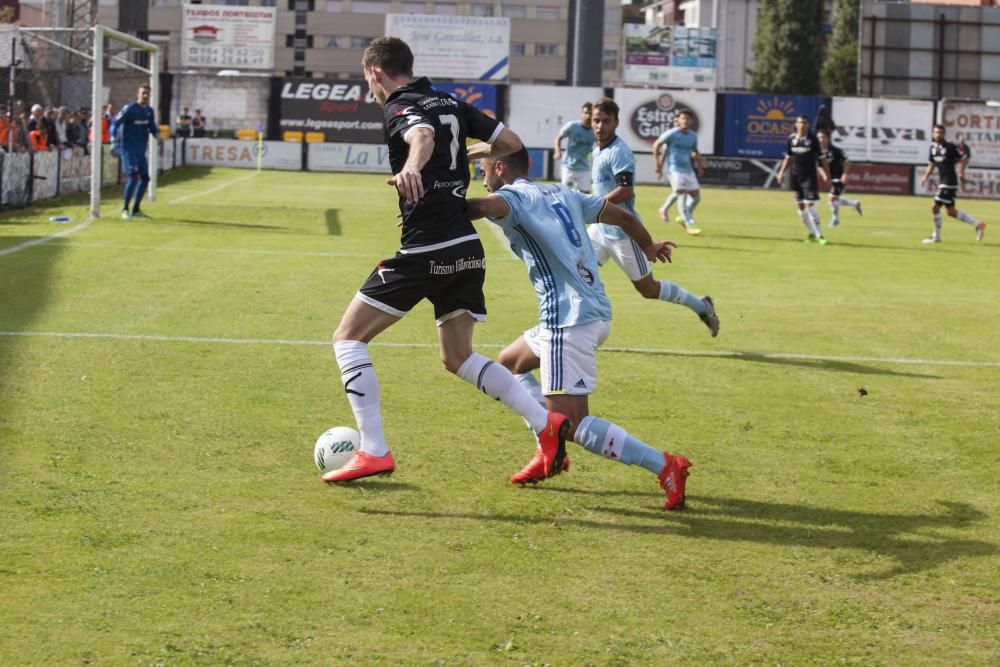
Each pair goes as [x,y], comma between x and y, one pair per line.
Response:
[648,288]
[952,211]
[144,177]
[452,362]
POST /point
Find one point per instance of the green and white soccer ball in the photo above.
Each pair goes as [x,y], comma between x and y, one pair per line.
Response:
[335,448]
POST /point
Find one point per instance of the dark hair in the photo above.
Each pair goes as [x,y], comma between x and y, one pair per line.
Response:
[391,55]
[146,86]
[518,161]
[937,125]
[685,112]
[607,105]
[587,105]
[803,117]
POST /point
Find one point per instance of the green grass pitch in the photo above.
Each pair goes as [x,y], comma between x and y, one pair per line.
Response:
[162,383]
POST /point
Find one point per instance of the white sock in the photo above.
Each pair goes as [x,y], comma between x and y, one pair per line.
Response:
[814,217]
[965,217]
[807,221]
[693,203]
[835,209]
[937,225]
[361,385]
[849,202]
[498,383]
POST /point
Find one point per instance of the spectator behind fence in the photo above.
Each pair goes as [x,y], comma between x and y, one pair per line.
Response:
[184,122]
[198,123]
[39,140]
[36,117]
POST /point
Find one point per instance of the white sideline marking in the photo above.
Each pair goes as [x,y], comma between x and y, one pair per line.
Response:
[45,239]
[221,251]
[627,350]
[215,189]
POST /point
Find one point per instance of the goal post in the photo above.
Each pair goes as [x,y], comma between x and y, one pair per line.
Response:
[57,62]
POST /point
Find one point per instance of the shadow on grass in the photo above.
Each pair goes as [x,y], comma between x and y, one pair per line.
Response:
[918,247]
[816,364]
[908,539]
[333,222]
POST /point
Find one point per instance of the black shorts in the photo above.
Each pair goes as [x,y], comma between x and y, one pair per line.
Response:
[836,187]
[451,278]
[946,195]
[805,188]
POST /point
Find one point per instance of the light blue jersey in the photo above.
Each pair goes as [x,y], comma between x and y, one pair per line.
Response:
[579,143]
[545,225]
[609,164]
[679,146]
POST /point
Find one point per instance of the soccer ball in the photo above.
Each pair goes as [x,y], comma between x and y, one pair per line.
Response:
[335,447]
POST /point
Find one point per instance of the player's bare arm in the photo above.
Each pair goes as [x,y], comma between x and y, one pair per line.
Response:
[557,148]
[658,156]
[408,181]
[824,172]
[699,160]
[487,207]
[781,170]
[654,250]
[507,142]
[927,173]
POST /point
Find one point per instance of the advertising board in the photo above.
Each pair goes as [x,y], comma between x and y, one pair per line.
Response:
[234,153]
[472,48]
[759,125]
[883,130]
[537,113]
[978,183]
[369,158]
[343,110]
[669,55]
[646,114]
[226,37]
[980,125]
[885,179]
[483,96]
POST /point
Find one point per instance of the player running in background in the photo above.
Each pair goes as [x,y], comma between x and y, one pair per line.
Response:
[614,178]
[130,133]
[441,258]
[945,156]
[579,143]
[802,152]
[680,146]
[836,162]
[546,227]
[964,151]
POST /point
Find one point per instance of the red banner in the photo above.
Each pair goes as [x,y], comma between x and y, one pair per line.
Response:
[887,179]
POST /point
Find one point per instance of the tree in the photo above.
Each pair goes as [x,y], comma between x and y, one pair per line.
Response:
[786,47]
[840,71]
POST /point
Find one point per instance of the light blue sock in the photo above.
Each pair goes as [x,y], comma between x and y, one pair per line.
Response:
[686,210]
[693,203]
[676,294]
[669,202]
[531,385]
[611,441]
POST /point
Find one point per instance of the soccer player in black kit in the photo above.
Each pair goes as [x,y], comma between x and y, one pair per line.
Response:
[945,155]
[802,151]
[441,258]
[836,162]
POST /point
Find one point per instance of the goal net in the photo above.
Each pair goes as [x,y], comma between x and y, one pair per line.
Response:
[75,79]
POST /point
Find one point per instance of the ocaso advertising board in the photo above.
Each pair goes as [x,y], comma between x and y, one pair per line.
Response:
[646,114]
[759,125]
[343,110]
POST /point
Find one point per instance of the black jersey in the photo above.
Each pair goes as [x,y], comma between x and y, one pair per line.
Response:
[945,156]
[835,159]
[804,152]
[440,214]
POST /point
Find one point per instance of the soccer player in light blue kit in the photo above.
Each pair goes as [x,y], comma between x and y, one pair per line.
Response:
[681,153]
[130,132]
[614,175]
[545,225]
[579,142]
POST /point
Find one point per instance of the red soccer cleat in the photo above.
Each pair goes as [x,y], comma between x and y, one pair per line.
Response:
[362,464]
[673,478]
[553,441]
[535,470]
[980,231]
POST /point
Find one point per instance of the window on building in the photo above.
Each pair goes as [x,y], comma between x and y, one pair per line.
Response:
[547,13]
[610,59]
[445,8]
[360,42]
[480,10]
[517,48]
[334,6]
[300,18]
[162,3]
[335,42]
[513,11]
[546,49]
[300,56]
[370,7]
[412,8]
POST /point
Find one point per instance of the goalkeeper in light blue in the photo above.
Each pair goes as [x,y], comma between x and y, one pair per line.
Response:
[130,132]
[545,225]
